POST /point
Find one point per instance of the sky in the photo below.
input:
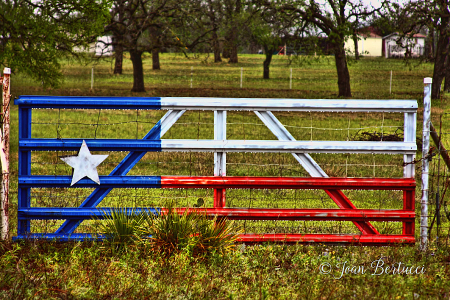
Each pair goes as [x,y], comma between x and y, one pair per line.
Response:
[376,3]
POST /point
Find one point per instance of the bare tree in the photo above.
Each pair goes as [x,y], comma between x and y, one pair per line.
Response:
[434,16]
[336,19]
[149,25]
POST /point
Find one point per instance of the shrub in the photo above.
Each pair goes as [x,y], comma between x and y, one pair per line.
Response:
[121,227]
[170,232]
[190,231]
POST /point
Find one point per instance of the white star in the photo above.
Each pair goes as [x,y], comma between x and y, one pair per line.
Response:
[84,165]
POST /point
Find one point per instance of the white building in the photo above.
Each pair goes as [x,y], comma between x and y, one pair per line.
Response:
[102,47]
[392,47]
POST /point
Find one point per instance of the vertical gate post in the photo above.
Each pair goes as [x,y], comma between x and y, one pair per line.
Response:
[24,193]
[4,197]
[220,158]
[410,124]
[425,163]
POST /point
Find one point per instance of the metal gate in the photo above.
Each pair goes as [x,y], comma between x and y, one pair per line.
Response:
[220,182]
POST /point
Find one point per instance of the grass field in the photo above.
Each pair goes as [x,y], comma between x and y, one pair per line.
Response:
[43,270]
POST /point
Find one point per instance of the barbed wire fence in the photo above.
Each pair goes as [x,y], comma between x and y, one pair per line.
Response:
[439,183]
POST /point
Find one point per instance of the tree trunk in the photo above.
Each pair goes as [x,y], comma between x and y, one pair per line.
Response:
[234,54]
[266,64]
[447,75]
[155,59]
[138,71]
[439,64]
[231,46]
[226,50]
[342,71]
[216,47]
[355,41]
[118,55]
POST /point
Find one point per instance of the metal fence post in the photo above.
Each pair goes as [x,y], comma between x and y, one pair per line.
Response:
[4,148]
[425,163]
[220,158]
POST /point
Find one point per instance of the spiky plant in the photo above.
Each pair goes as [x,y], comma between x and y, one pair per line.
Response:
[171,232]
[121,227]
[217,235]
[191,231]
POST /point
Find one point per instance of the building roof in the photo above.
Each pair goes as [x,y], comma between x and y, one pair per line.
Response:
[369,35]
[415,35]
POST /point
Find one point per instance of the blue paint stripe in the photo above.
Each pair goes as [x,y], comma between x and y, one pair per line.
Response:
[106,182]
[93,144]
[75,237]
[122,169]
[89,102]
[53,213]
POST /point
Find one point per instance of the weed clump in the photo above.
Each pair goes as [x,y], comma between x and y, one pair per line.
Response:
[170,231]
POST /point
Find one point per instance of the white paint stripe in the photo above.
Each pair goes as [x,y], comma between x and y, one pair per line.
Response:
[263,104]
[289,146]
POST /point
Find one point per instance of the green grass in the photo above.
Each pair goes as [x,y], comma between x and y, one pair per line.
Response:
[213,80]
[311,78]
[46,270]
[52,270]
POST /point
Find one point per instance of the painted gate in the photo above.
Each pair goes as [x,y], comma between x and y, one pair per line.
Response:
[220,182]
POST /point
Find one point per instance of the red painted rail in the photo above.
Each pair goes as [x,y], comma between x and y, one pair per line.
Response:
[305,214]
[332,186]
[288,183]
[328,238]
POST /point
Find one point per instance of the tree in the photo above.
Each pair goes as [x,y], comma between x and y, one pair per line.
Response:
[434,15]
[271,28]
[130,22]
[36,35]
[213,13]
[149,25]
[335,19]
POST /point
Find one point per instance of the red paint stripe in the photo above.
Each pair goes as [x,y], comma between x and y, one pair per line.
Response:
[304,214]
[287,183]
[328,238]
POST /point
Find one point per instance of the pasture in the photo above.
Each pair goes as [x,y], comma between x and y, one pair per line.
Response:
[88,270]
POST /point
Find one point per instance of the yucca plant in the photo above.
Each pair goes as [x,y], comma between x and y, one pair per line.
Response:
[122,227]
[172,232]
[217,235]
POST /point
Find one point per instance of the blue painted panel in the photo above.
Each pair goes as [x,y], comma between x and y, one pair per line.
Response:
[79,237]
[122,169]
[78,213]
[25,114]
[93,145]
[49,181]
[89,102]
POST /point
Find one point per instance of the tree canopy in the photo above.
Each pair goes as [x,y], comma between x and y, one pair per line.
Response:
[336,19]
[36,35]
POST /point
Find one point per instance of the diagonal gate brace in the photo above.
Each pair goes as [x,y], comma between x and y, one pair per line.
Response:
[308,163]
[123,167]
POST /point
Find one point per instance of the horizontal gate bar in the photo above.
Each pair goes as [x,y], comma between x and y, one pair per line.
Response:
[50,181]
[220,146]
[329,183]
[256,238]
[204,103]
[378,239]
[231,213]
